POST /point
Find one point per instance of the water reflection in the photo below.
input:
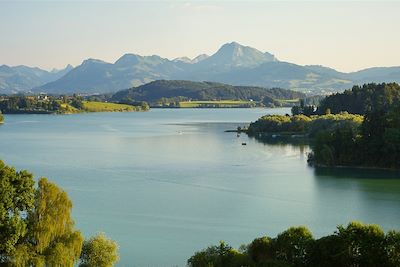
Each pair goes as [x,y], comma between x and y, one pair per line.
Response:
[341,195]
[300,144]
[355,173]
[367,195]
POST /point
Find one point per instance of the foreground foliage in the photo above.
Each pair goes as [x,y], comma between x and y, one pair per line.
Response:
[51,238]
[354,245]
[36,227]
[17,195]
[99,251]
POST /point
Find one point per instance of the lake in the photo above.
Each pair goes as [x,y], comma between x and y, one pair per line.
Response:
[169,182]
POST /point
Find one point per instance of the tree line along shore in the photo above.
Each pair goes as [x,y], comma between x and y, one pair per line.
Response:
[44,104]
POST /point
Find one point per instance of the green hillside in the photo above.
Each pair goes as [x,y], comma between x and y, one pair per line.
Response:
[177,93]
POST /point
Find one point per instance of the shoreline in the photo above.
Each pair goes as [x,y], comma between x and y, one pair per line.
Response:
[175,108]
[352,167]
[71,113]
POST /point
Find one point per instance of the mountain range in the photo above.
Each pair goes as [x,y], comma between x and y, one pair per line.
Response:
[233,63]
[22,78]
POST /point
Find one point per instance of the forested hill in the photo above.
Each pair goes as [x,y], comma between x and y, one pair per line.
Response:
[362,99]
[178,90]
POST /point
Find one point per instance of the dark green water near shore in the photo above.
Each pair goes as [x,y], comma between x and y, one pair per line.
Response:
[166,183]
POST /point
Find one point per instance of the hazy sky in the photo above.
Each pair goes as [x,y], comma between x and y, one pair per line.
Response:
[344,35]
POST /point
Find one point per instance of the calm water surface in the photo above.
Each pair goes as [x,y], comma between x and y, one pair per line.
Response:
[168,182]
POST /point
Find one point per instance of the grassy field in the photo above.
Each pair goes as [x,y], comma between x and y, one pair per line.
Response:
[292,101]
[68,109]
[219,103]
[107,107]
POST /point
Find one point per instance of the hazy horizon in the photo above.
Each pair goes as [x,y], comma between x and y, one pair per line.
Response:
[342,35]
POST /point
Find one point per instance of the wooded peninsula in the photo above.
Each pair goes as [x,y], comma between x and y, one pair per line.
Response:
[359,127]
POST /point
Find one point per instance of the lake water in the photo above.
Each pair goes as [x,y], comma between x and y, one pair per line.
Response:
[169,182]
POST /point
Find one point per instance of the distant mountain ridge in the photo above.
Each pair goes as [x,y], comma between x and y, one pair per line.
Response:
[22,78]
[236,55]
[233,63]
[191,61]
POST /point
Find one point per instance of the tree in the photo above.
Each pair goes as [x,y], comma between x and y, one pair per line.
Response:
[36,228]
[364,245]
[293,245]
[99,251]
[77,102]
[218,256]
[54,105]
[144,106]
[338,146]
[260,250]
[328,111]
[51,239]
[392,242]
[391,138]
[328,251]
[16,197]
[381,138]
[373,129]
[296,110]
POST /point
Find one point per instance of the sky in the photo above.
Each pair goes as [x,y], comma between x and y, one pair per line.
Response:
[345,35]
